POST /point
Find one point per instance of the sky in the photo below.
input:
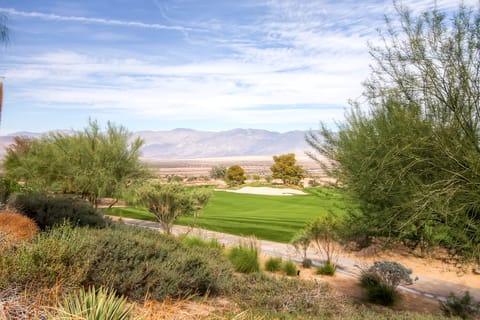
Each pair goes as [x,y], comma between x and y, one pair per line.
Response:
[211,65]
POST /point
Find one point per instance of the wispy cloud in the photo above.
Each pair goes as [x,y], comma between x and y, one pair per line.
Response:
[109,22]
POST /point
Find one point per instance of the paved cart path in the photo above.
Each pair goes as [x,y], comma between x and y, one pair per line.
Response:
[426,286]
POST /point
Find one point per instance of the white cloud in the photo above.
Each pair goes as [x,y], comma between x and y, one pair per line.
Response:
[301,53]
[110,22]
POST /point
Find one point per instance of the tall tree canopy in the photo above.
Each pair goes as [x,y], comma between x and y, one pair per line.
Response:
[91,163]
[411,153]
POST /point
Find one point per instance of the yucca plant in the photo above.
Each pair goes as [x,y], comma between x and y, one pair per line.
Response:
[93,304]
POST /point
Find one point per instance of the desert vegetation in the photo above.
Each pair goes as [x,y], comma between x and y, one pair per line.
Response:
[406,167]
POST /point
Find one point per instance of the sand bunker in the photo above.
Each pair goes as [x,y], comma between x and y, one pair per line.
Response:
[269,191]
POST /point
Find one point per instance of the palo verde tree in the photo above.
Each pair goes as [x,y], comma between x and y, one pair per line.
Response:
[90,163]
[171,200]
[286,169]
[411,152]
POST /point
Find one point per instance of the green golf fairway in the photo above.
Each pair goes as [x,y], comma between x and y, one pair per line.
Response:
[275,218]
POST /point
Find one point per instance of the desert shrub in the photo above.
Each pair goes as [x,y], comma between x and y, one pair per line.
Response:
[244,258]
[382,279]
[307,263]
[17,226]
[235,175]
[289,268]
[8,186]
[135,261]
[93,305]
[391,273]
[50,211]
[382,294]
[218,172]
[273,264]
[288,296]
[62,254]
[464,307]
[194,241]
[327,269]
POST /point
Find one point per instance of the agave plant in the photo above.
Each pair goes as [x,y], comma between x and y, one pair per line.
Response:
[93,304]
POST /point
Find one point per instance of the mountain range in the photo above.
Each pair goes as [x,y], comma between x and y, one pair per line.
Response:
[191,144]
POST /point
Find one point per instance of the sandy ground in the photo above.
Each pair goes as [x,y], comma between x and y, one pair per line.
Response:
[268,191]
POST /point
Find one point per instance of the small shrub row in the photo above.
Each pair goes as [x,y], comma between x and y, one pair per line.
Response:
[274,264]
[50,211]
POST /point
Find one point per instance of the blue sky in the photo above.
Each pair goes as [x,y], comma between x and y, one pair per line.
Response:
[202,64]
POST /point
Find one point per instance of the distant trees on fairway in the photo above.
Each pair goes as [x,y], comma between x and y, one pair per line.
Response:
[218,172]
[286,169]
[235,175]
[411,155]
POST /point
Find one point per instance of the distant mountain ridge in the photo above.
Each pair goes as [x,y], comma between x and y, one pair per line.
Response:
[191,144]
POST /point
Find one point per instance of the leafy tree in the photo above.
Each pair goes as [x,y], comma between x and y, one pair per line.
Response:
[285,168]
[218,172]
[90,163]
[235,175]
[169,201]
[411,154]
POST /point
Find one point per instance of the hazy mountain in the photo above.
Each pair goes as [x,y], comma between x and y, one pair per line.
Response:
[187,143]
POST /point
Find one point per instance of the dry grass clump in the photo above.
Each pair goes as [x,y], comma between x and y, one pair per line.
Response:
[17,226]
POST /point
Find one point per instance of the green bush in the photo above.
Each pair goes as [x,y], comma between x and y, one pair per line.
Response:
[382,279]
[289,268]
[194,242]
[464,307]
[135,261]
[307,263]
[273,264]
[382,294]
[369,279]
[327,269]
[132,261]
[93,305]
[50,211]
[244,258]
[63,253]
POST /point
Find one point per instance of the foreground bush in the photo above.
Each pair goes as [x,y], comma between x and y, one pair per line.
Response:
[195,241]
[273,264]
[133,261]
[464,307]
[244,258]
[382,279]
[50,211]
[62,254]
[136,262]
[327,269]
[289,268]
[93,305]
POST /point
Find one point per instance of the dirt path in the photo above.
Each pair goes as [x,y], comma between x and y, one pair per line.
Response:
[431,283]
